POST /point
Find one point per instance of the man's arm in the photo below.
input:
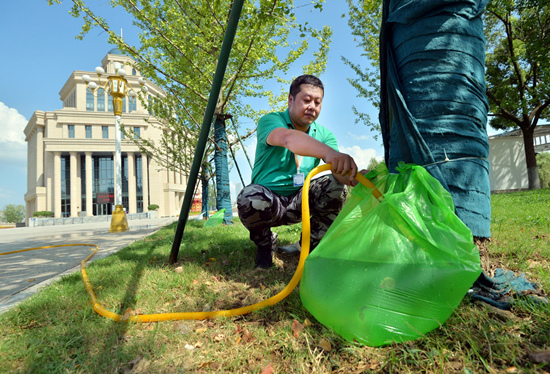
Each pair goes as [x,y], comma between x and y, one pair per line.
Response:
[300,143]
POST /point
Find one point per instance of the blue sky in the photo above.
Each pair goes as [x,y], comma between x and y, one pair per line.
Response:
[40,52]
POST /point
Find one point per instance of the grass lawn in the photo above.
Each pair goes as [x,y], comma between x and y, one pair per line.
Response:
[57,331]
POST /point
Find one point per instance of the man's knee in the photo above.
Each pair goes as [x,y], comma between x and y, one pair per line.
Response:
[254,203]
[329,189]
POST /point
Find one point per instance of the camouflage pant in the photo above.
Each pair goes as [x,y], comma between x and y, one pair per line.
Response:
[260,209]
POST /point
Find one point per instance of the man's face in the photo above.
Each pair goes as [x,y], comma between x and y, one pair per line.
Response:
[306,106]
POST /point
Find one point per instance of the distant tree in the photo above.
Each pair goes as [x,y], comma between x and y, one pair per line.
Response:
[518,70]
[373,164]
[180,46]
[365,18]
[13,213]
[543,163]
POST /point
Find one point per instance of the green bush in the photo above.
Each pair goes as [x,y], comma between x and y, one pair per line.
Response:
[153,207]
[43,214]
[543,163]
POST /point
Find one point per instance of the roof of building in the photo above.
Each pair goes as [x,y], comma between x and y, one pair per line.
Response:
[540,130]
[116,51]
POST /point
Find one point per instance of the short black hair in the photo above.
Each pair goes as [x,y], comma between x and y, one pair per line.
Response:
[305,79]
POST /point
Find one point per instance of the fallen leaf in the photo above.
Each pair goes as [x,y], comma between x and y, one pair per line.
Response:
[218,337]
[195,281]
[215,278]
[31,280]
[247,336]
[201,329]
[325,344]
[189,347]
[179,269]
[511,369]
[262,286]
[297,328]
[307,323]
[211,259]
[129,312]
[542,357]
[267,370]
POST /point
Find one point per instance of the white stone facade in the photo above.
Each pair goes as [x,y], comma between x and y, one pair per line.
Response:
[71,151]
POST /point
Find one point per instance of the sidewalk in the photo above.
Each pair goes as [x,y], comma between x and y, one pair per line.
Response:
[25,273]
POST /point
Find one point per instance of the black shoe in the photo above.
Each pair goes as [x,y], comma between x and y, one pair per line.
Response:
[264,258]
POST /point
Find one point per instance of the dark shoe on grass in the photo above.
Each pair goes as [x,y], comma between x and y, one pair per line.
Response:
[264,258]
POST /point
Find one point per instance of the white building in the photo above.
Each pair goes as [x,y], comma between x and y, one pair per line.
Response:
[71,151]
[507,158]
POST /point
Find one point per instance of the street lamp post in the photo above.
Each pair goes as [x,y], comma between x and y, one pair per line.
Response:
[118,87]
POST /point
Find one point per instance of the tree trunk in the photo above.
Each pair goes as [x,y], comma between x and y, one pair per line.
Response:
[530,158]
[223,196]
[204,185]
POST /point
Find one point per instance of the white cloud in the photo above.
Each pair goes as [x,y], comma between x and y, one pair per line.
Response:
[361,156]
[13,123]
[358,137]
[13,149]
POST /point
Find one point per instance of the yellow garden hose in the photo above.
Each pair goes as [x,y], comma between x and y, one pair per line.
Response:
[306,237]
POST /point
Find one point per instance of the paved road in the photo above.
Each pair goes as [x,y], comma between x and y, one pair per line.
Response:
[23,274]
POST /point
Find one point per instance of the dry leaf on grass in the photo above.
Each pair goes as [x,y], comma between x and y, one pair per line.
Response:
[268,370]
[307,323]
[325,344]
[179,269]
[129,312]
[297,328]
[542,357]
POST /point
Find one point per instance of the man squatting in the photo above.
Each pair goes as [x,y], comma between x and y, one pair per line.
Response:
[289,145]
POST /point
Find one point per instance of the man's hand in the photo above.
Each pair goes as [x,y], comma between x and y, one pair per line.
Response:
[343,166]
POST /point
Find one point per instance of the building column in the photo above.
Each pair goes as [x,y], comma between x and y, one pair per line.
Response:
[57,184]
[40,157]
[132,198]
[75,201]
[145,181]
[89,184]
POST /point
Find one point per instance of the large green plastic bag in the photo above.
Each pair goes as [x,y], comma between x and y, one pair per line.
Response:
[216,219]
[391,271]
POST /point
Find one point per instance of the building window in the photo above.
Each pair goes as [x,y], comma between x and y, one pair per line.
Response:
[124,104]
[133,105]
[105,132]
[139,185]
[89,101]
[100,100]
[83,182]
[71,131]
[137,133]
[133,71]
[65,187]
[88,131]
[70,100]
[110,103]
[103,185]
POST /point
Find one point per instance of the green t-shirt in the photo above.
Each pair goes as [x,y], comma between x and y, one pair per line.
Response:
[274,166]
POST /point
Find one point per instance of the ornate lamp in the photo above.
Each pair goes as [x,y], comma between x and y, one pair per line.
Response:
[118,87]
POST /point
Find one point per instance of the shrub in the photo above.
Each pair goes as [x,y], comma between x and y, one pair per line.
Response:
[153,207]
[43,214]
[543,162]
